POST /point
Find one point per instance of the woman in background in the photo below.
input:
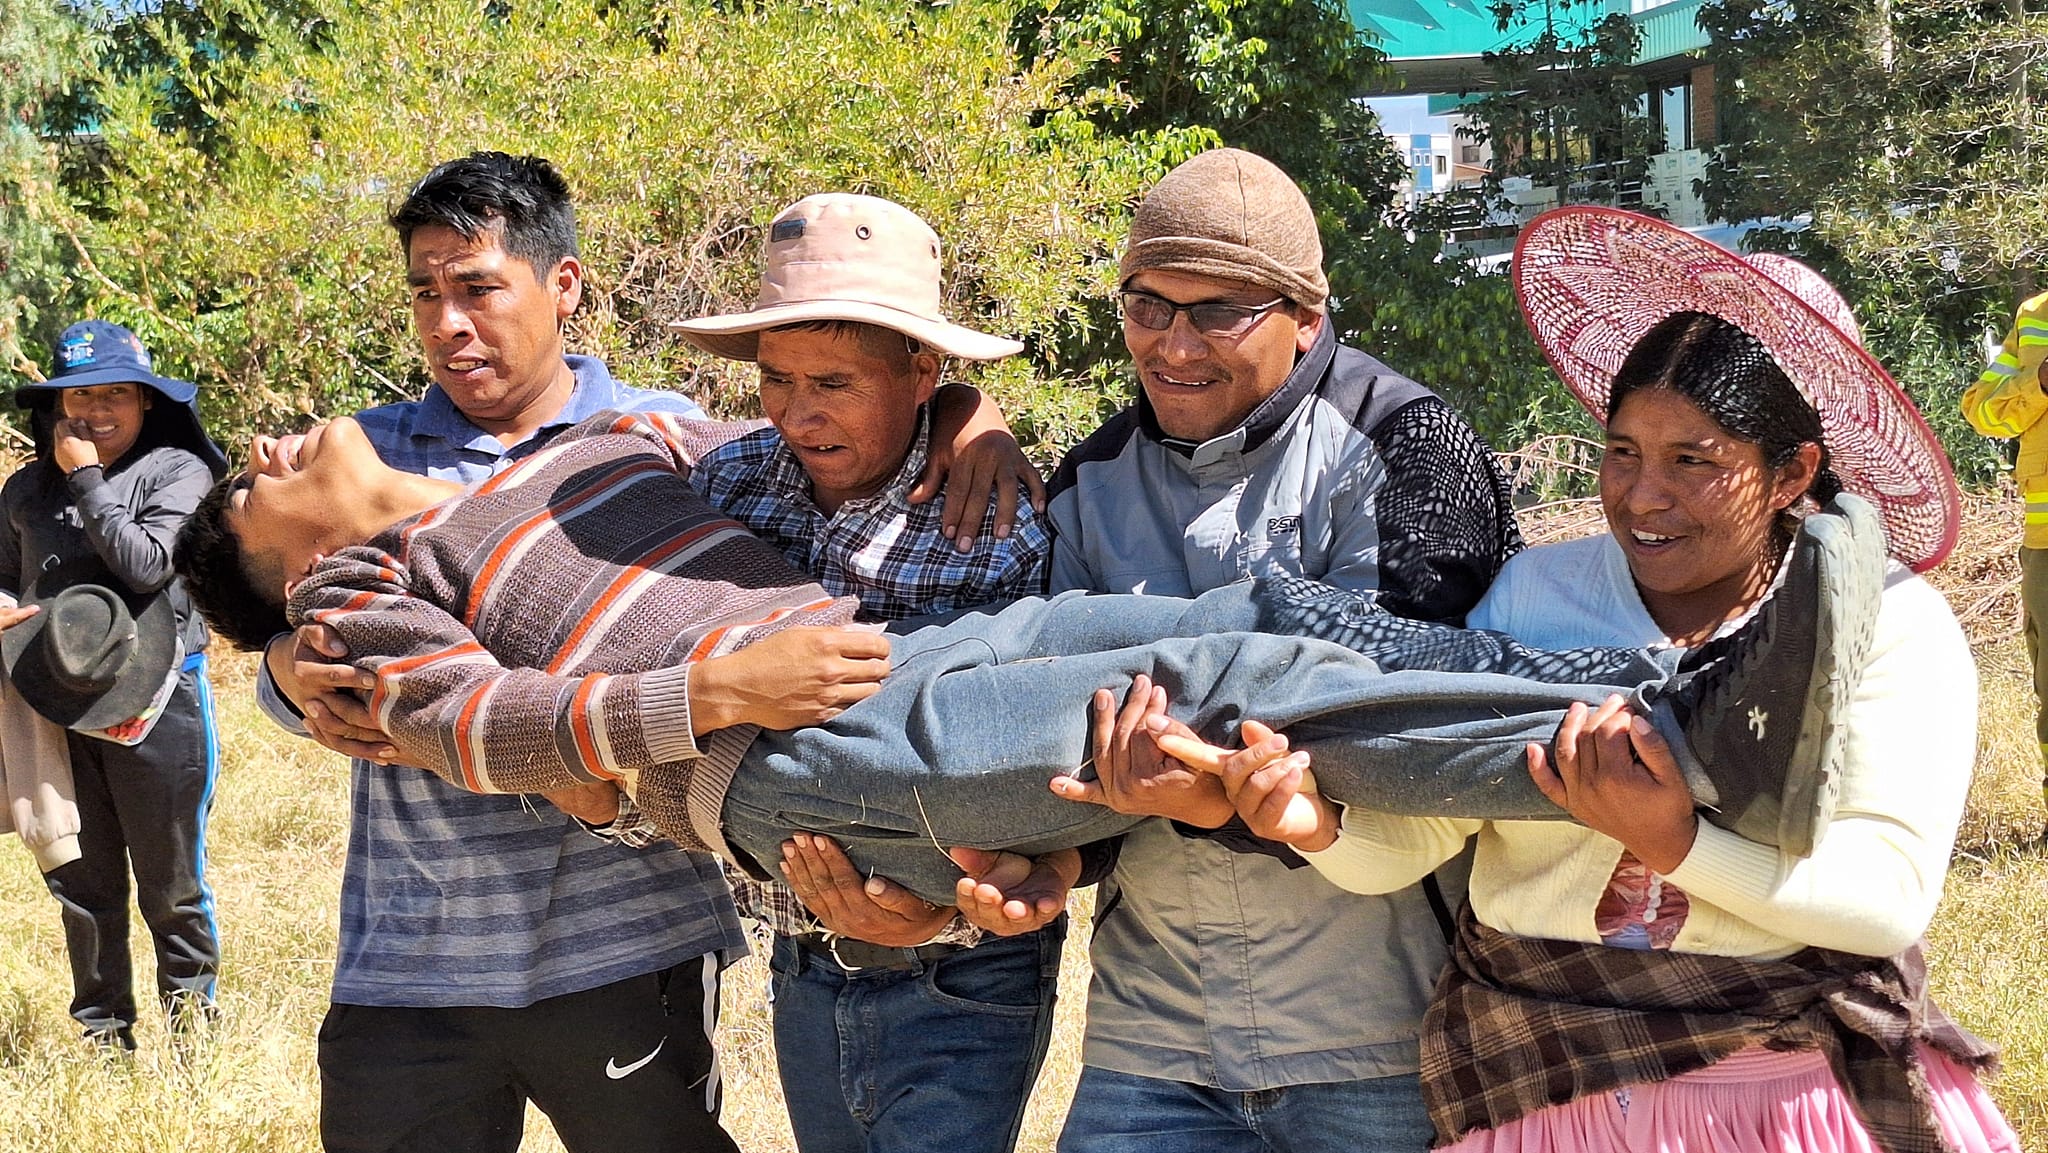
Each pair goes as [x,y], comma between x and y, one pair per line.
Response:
[104,643]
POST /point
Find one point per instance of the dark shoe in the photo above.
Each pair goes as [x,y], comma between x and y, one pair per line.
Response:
[1762,711]
[115,1042]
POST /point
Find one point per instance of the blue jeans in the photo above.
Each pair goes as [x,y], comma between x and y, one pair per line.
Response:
[939,1056]
[1123,1113]
[980,712]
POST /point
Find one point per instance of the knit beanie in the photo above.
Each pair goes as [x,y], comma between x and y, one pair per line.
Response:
[1231,215]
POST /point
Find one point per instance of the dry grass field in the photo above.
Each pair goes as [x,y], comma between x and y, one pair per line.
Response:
[248,1084]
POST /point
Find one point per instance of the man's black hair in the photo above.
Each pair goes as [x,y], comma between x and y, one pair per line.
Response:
[210,558]
[523,195]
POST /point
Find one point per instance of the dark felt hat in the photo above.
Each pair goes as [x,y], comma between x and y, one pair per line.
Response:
[94,657]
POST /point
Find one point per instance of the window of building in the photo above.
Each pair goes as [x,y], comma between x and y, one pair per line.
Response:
[1443,164]
[1674,116]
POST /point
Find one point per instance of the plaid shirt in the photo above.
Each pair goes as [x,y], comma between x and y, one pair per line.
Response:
[1519,1024]
[888,552]
[882,549]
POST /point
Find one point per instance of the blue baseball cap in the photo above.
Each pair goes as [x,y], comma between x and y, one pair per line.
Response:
[101,352]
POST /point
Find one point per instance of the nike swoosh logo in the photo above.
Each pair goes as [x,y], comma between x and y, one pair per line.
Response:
[614,1070]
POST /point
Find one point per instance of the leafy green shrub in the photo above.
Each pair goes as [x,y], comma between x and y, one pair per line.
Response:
[253,256]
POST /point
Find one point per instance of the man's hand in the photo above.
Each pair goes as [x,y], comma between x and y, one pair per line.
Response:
[872,909]
[1133,775]
[596,803]
[974,454]
[1271,788]
[1008,894]
[1600,780]
[11,615]
[797,677]
[310,667]
[71,446]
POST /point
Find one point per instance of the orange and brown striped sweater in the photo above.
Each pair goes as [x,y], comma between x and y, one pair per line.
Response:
[534,633]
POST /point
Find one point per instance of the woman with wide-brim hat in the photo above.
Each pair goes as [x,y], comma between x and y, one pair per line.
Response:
[1642,979]
[98,638]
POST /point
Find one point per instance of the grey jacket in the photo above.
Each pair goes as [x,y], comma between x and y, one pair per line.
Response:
[1242,970]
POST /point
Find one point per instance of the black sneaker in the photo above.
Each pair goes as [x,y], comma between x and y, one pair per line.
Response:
[1762,711]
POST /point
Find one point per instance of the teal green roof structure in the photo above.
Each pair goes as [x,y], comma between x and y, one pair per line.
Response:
[1436,45]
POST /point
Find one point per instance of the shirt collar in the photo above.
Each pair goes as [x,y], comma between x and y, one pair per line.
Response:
[595,391]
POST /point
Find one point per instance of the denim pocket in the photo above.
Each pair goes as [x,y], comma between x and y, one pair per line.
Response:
[1003,978]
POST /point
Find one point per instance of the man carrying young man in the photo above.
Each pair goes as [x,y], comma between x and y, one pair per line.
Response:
[476,930]
[849,338]
[1259,446]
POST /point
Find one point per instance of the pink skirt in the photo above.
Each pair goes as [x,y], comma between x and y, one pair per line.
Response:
[1756,1101]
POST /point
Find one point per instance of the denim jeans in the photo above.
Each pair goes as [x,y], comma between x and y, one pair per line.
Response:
[1116,1112]
[939,1056]
[980,712]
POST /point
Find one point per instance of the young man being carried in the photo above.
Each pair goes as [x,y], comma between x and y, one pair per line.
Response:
[541,630]
[473,927]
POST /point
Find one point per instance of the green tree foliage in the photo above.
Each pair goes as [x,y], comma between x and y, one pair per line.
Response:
[42,49]
[242,233]
[1169,79]
[1912,134]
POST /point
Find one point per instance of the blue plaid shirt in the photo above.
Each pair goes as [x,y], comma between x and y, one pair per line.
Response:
[882,549]
[889,553]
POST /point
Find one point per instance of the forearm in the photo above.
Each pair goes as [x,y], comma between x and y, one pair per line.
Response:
[449,706]
[271,698]
[1870,888]
[1382,853]
[136,541]
[136,546]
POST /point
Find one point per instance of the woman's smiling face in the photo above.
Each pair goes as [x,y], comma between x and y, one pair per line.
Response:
[1694,508]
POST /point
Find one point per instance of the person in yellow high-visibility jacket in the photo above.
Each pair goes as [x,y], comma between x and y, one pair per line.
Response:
[2011,400]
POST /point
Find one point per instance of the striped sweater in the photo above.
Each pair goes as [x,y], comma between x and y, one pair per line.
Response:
[535,632]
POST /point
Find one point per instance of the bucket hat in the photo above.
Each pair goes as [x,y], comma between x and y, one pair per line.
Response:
[93,658]
[1593,281]
[100,352]
[843,256]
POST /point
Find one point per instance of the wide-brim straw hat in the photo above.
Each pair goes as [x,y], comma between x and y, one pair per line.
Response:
[843,256]
[1593,281]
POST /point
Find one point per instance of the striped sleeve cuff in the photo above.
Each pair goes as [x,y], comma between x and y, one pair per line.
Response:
[665,715]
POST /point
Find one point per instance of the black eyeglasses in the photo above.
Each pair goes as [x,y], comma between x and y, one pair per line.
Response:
[1210,317]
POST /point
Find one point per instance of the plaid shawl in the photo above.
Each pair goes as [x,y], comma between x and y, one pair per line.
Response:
[1520,1024]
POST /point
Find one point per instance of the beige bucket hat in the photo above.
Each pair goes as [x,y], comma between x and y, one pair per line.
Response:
[843,256]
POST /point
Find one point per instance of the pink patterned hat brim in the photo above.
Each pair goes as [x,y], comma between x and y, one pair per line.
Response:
[1593,281]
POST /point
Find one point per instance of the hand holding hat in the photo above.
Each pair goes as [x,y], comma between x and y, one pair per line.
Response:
[87,658]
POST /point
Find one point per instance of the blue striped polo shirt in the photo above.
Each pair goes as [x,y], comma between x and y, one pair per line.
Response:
[451,898]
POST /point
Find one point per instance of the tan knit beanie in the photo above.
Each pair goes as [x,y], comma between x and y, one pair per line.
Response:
[1234,216]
